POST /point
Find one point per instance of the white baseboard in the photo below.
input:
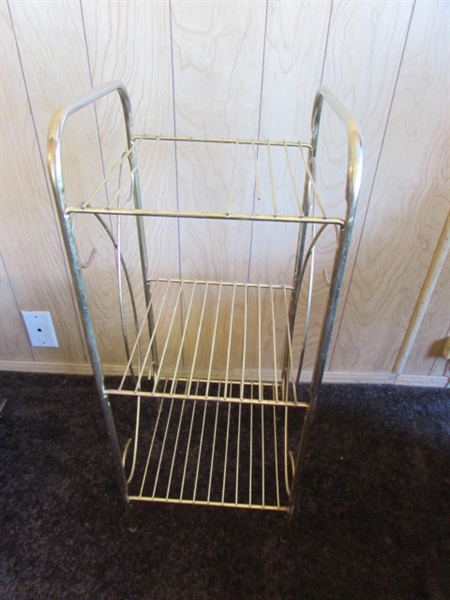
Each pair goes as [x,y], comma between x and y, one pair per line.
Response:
[329,376]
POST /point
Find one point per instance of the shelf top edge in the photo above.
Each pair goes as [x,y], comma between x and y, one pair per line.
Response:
[208,140]
[210,398]
[256,285]
[142,212]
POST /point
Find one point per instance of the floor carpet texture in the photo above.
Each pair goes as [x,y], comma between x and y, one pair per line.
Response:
[373,518]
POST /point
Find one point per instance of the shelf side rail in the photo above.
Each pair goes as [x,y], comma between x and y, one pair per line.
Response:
[54,158]
[353,184]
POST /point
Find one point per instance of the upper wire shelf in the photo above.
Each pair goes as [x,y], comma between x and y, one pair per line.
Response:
[261,180]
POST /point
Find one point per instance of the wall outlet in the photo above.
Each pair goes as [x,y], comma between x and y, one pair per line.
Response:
[40,328]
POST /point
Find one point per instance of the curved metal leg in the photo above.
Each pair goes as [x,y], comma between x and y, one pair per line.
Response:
[299,463]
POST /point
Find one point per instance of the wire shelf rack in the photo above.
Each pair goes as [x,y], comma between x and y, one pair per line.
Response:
[212,370]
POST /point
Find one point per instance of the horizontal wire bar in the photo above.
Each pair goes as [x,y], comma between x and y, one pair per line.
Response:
[208,503]
[142,212]
[220,399]
[223,283]
[248,142]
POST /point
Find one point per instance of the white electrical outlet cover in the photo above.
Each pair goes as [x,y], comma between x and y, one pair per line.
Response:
[40,328]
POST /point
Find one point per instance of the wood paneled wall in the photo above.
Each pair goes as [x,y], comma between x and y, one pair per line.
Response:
[243,69]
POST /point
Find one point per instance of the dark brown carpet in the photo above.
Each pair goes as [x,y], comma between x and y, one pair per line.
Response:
[373,521]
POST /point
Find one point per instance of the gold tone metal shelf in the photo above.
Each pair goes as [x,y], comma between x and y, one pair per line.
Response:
[213,319]
[252,189]
[217,454]
[211,372]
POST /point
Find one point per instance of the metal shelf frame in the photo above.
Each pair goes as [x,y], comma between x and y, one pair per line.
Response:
[215,433]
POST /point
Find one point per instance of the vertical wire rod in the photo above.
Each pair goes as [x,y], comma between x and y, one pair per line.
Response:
[213,451]
[294,187]
[230,336]
[169,333]
[275,441]
[244,344]
[136,440]
[272,182]
[135,345]
[236,498]
[233,173]
[250,479]
[263,464]
[130,175]
[188,447]
[274,334]
[205,406]
[286,451]
[183,337]
[311,256]
[120,187]
[225,464]
[118,165]
[213,343]
[313,183]
[152,339]
[174,455]
[255,162]
[163,448]
[144,477]
[118,254]
[200,325]
[259,345]
[288,335]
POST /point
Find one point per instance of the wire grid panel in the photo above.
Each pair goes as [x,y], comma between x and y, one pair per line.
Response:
[225,335]
[252,179]
[215,453]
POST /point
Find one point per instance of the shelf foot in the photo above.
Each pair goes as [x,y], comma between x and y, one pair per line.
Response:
[132,521]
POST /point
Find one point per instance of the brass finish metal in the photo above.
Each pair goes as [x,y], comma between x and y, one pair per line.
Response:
[209,432]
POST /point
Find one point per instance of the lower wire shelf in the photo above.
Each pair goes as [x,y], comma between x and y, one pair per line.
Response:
[213,341]
[214,453]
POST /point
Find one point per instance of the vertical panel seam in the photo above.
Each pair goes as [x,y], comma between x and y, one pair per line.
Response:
[327,37]
[91,81]
[174,118]
[263,63]
[17,305]
[49,194]
[386,126]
